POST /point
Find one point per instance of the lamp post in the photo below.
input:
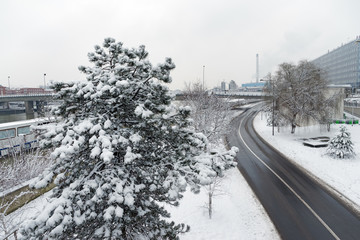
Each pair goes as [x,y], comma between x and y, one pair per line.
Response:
[273,102]
[9,81]
[204,78]
[44,81]
[352,111]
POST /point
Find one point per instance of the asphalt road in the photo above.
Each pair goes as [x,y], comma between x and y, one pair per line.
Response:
[299,207]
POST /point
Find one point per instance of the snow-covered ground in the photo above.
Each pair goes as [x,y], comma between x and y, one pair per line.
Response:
[237,214]
[33,208]
[340,174]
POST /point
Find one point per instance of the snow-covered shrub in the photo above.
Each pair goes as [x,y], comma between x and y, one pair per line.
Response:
[122,150]
[341,146]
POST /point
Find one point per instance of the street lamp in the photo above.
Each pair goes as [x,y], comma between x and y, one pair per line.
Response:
[9,81]
[273,101]
[44,81]
[204,78]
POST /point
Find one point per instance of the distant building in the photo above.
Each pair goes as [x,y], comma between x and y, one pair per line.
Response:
[232,85]
[2,90]
[31,91]
[223,85]
[253,87]
[21,91]
[342,65]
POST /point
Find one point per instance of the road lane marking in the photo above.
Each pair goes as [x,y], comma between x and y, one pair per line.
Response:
[290,188]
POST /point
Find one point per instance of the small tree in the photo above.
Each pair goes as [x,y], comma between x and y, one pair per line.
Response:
[341,146]
[214,188]
[122,150]
[211,115]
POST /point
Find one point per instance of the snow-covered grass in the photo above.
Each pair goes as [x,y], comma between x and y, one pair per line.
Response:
[237,213]
[341,174]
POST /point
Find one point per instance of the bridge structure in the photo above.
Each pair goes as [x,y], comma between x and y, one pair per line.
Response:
[40,99]
[29,99]
[235,95]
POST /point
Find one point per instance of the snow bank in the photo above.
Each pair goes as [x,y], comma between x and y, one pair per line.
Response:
[341,174]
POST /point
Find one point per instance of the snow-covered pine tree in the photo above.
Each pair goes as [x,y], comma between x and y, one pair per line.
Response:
[341,145]
[122,150]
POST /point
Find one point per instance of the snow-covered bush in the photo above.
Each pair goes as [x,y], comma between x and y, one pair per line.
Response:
[341,146]
[122,150]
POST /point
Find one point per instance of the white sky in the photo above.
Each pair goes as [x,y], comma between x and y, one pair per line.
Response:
[54,36]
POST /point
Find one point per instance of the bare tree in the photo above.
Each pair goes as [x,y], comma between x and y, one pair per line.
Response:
[8,223]
[22,165]
[17,167]
[211,114]
[300,94]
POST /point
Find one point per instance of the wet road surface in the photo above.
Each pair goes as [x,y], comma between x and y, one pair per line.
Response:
[299,207]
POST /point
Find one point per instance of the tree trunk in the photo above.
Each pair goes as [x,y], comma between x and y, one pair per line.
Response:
[210,205]
[293,126]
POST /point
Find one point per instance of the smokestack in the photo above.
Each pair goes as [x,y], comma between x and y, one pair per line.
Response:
[257,68]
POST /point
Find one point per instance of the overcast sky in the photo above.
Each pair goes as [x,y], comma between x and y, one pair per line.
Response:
[54,36]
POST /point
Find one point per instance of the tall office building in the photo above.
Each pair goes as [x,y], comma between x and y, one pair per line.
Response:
[223,85]
[232,85]
[342,65]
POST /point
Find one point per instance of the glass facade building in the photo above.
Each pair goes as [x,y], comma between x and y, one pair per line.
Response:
[342,65]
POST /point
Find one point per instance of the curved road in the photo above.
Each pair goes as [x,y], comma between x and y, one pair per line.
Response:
[299,207]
